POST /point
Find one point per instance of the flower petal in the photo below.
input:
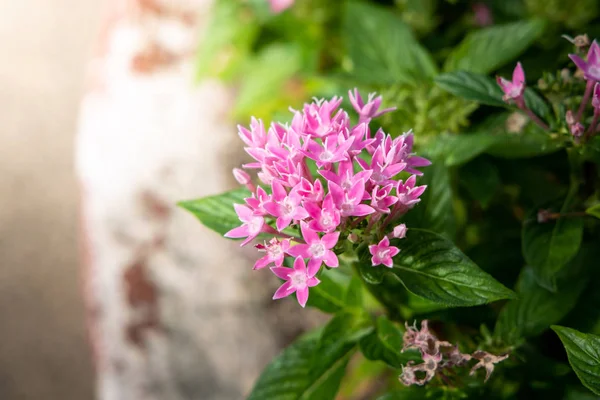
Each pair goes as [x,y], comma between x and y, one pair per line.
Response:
[282,272]
[284,290]
[302,296]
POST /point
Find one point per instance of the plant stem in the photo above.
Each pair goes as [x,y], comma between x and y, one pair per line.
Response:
[521,104]
[586,97]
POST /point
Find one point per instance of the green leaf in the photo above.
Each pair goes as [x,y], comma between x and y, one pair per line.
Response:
[409,393]
[217,212]
[381,48]
[594,210]
[435,211]
[481,179]
[531,142]
[536,104]
[263,88]
[385,344]
[455,150]
[313,367]
[226,41]
[330,295]
[549,246]
[536,308]
[431,266]
[354,297]
[583,351]
[472,86]
[485,50]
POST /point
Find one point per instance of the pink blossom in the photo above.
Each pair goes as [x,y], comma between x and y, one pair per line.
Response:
[312,192]
[316,249]
[381,200]
[297,280]
[325,218]
[258,200]
[513,90]
[596,97]
[333,149]
[278,6]
[349,202]
[275,249]
[251,227]
[369,110]
[591,67]
[286,207]
[382,166]
[345,176]
[318,120]
[382,253]
[408,194]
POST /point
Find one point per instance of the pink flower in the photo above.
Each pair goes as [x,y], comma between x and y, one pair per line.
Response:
[316,249]
[591,67]
[251,227]
[513,90]
[297,280]
[333,149]
[318,121]
[345,177]
[382,253]
[383,166]
[408,193]
[369,110]
[381,200]
[348,202]
[325,218]
[258,200]
[278,6]
[275,250]
[312,192]
[285,207]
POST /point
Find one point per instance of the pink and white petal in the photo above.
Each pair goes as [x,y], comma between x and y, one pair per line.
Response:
[314,265]
[308,234]
[272,208]
[312,209]
[283,222]
[330,240]
[299,250]
[357,190]
[388,262]
[417,161]
[302,296]
[262,262]
[279,192]
[393,251]
[312,281]
[331,259]
[337,193]
[362,210]
[518,76]
[239,232]
[593,56]
[243,212]
[300,213]
[582,65]
[299,264]
[385,242]
[284,290]
[282,272]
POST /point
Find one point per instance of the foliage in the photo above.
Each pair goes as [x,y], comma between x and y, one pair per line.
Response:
[512,198]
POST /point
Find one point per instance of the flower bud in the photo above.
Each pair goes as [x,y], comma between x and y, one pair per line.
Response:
[577,130]
[399,231]
[569,118]
[353,237]
[241,176]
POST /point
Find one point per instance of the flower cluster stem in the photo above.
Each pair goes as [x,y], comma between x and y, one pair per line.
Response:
[586,98]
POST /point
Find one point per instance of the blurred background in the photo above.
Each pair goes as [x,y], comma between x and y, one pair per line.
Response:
[43,349]
[106,289]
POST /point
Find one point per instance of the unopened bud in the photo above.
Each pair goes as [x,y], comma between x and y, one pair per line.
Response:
[569,118]
[353,237]
[543,216]
[577,130]
[399,231]
[241,176]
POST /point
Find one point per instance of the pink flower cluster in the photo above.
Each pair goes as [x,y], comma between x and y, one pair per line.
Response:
[436,360]
[328,177]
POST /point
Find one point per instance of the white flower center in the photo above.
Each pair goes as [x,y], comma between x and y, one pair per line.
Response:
[594,72]
[377,176]
[347,208]
[317,250]
[255,225]
[326,219]
[274,252]
[326,156]
[382,253]
[298,279]
[287,207]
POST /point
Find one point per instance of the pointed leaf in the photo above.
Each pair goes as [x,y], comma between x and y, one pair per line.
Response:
[312,367]
[431,266]
[381,48]
[330,295]
[485,50]
[594,211]
[472,86]
[217,212]
[583,351]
